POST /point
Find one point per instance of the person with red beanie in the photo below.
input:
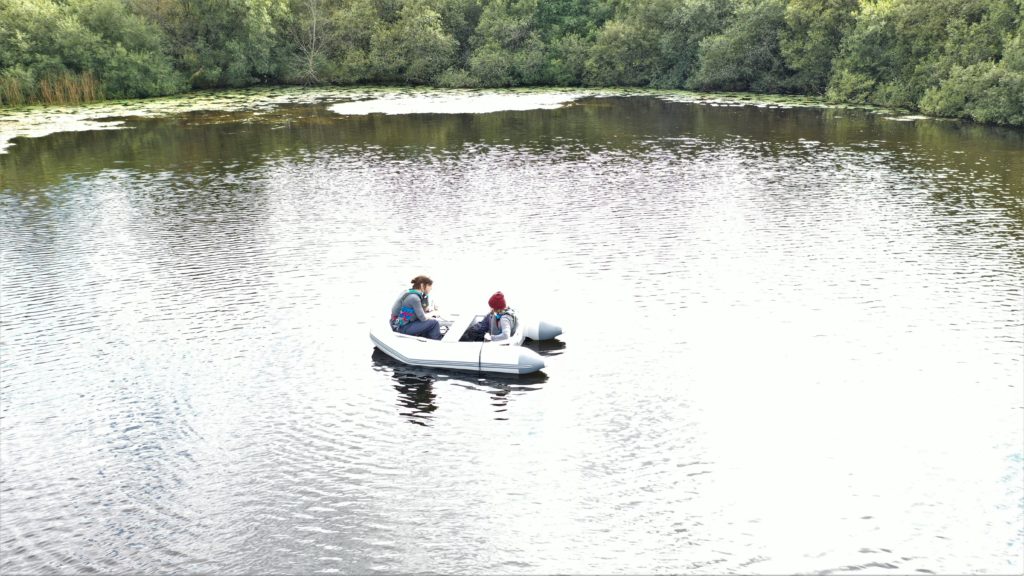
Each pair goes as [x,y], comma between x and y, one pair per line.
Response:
[497,301]
[499,324]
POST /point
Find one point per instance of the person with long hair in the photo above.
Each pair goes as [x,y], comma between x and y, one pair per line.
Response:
[409,312]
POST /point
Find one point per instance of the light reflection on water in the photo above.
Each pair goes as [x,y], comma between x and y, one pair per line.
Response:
[793,343]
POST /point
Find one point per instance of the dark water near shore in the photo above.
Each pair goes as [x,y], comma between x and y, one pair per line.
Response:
[794,342]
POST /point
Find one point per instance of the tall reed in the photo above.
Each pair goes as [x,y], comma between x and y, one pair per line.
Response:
[10,92]
[65,88]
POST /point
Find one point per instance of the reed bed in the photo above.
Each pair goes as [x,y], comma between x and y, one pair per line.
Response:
[10,92]
[66,88]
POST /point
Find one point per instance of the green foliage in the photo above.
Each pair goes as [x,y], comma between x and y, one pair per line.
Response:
[900,49]
[810,42]
[567,60]
[42,42]
[491,66]
[459,18]
[506,23]
[128,53]
[414,49]
[509,50]
[956,58]
[986,91]
[582,18]
[655,42]
[456,78]
[230,42]
[849,86]
[353,22]
[621,56]
[310,37]
[27,35]
[690,23]
[747,54]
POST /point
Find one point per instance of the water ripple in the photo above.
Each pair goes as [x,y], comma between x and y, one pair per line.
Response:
[769,330]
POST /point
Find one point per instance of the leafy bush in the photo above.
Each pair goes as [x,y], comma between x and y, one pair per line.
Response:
[414,49]
[457,78]
[986,91]
[491,66]
[567,60]
[956,58]
[655,42]
[899,51]
[621,56]
[811,39]
[507,47]
[747,55]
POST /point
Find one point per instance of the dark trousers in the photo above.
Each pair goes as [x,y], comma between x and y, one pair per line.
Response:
[475,333]
[426,328]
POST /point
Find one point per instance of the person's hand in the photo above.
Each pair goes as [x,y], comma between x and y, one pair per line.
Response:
[487,337]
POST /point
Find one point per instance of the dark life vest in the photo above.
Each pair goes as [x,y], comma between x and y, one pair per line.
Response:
[511,316]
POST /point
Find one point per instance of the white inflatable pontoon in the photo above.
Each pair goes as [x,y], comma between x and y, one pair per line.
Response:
[506,356]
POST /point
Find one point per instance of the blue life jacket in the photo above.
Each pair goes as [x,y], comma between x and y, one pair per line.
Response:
[407,314]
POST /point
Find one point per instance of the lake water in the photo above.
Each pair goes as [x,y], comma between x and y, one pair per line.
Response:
[793,341]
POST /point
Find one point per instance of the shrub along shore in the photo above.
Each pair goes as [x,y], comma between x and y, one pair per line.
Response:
[950,58]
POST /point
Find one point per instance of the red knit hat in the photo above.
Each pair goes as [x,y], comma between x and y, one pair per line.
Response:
[497,301]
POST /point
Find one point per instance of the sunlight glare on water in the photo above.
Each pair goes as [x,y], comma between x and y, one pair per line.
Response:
[793,342]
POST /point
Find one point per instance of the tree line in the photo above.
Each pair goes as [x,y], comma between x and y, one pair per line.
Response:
[954,58]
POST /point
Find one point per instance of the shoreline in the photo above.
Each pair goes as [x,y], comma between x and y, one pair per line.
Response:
[39,120]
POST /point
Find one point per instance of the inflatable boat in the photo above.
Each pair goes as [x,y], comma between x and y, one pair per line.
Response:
[505,356]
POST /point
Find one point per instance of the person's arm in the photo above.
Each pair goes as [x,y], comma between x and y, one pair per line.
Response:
[431,309]
[413,301]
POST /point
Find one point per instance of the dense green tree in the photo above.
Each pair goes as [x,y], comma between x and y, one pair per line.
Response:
[227,42]
[957,58]
[508,50]
[415,48]
[27,31]
[986,91]
[690,24]
[568,29]
[812,37]
[747,55]
[623,55]
[898,49]
[567,60]
[353,23]
[560,18]
[459,18]
[128,53]
[655,42]
[98,40]
[27,34]
[312,40]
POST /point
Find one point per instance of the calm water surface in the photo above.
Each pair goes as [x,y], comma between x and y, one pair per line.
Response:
[793,343]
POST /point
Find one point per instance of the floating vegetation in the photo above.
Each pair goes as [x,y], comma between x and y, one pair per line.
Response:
[908,118]
[39,120]
[456,102]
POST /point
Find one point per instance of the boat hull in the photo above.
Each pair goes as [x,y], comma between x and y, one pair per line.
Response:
[454,355]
